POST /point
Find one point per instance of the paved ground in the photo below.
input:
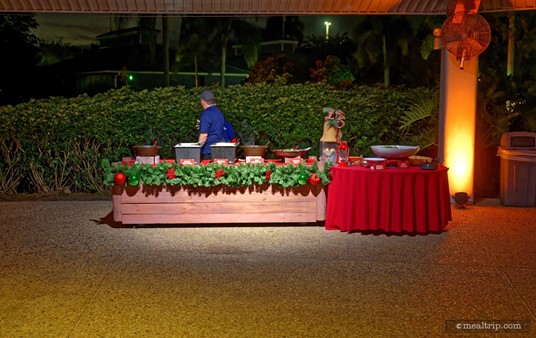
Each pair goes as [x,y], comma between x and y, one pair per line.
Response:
[67,271]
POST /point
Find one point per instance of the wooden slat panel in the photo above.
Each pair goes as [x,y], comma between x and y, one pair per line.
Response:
[321,201]
[258,204]
[220,198]
[112,4]
[263,194]
[220,218]
[117,205]
[139,6]
[103,5]
[253,7]
[345,5]
[220,208]
[289,5]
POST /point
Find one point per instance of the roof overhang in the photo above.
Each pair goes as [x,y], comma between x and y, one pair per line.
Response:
[256,7]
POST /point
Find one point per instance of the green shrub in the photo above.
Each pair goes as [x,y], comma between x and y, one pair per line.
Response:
[58,143]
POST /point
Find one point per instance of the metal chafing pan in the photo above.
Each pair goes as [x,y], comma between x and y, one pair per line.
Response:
[291,152]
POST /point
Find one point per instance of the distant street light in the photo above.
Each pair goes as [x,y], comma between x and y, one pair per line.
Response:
[327,23]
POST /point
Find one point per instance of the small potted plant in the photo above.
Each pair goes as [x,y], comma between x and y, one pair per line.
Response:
[150,148]
[248,135]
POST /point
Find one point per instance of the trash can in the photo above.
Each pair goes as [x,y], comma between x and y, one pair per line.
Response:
[518,169]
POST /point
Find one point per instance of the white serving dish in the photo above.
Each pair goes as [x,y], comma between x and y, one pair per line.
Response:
[394,151]
[374,159]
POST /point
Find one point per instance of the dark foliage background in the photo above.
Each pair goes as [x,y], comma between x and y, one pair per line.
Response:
[18,58]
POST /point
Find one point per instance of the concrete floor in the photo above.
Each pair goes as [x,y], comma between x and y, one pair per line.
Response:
[65,271]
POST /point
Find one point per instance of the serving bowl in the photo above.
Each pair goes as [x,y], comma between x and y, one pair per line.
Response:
[146,150]
[394,151]
[254,150]
[290,152]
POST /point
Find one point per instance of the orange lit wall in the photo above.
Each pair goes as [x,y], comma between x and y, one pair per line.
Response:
[457,121]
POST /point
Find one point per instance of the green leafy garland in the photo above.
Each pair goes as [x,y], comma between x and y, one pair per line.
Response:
[213,174]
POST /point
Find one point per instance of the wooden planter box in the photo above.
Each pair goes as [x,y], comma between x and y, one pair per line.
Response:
[189,205]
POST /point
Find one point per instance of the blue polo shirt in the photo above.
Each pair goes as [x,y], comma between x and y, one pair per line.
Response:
[211,122]
[228,132]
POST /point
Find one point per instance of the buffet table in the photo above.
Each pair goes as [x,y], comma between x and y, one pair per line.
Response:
[392,200]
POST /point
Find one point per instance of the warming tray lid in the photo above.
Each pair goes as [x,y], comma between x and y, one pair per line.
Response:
[187,145]
[223,144]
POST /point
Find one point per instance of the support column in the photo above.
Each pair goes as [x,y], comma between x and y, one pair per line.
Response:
[457,117]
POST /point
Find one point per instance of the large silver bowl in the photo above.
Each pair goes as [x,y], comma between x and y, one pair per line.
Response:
[290,152]
[394,151]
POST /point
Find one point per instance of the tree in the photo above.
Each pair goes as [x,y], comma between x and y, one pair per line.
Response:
[165,46]
[513,93]
[56,51]
[147,25]
[121,21]
[272,70]
[331,71]
[19,56]
[385,43]
[229,29]
[193,45]
[339,45]
[284,27]
[148,28]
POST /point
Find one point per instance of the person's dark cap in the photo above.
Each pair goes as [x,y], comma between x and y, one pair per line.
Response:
[207,96]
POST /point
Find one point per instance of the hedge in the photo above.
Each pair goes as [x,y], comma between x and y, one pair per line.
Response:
[58,143]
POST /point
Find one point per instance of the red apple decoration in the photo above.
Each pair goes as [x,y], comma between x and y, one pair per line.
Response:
[314,180]
[120,179]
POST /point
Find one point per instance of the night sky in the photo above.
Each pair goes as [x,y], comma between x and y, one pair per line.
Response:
[81,29]
[75,29]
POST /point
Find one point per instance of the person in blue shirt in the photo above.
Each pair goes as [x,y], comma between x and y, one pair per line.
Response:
[228,132]
[211,124]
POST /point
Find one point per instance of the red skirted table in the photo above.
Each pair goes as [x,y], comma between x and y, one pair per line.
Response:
[392,200]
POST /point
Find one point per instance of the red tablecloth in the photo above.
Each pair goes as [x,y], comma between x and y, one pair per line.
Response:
[392,200]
